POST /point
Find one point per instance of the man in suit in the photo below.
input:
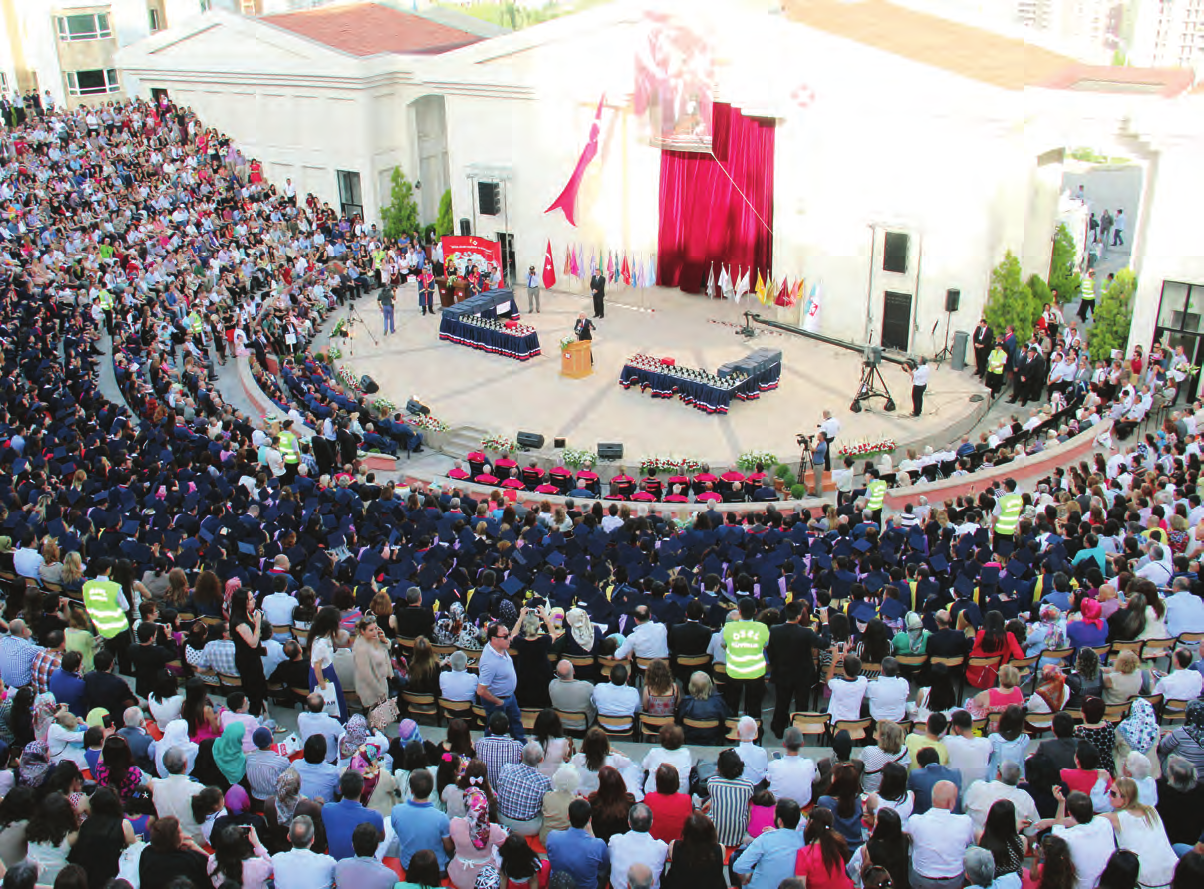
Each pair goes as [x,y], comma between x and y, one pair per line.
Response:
[584,328]
[689,638]
[597,288]
[1032,376]
[791,664]
[984,341]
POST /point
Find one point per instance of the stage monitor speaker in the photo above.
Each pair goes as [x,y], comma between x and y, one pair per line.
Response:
[489,198]
[558,442]
[953,298]
[417,407]
[531,441]
[368,385]
[610,450]
[894,252]
[465,227]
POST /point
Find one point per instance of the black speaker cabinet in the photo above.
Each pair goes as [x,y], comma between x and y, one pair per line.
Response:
[610,450]
[531,441]
[368,385]
[953,298]
[489,198]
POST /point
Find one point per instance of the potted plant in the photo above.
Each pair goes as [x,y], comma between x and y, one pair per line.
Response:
[783,478]
[576,459]
[799,492]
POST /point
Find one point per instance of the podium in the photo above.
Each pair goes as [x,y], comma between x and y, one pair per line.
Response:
[575,362]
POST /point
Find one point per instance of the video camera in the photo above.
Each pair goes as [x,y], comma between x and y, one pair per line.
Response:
[804,440]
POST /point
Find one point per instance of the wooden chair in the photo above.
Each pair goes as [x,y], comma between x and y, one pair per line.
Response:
[694,662]
[1057,654]
[478,713]
[1102,651]
[298,695]
[1037,724]
[700,725]
[282,629]
[1191,639]
[1135,647]
[528,715]
[607,664]
[1174,711]
[979,725]
[573,721]
[986,662]
[733,723]
[858,729]
[1117,712]
[650,726]
[211,621]
[617,726]
[1156,649]
[1155,702]
[871,671]
[814,724]
[407,644]
[421,705]
[210,678]
[580,662]
[911,661]
[229,682]
[1027,666]
[443,651]
[449,710]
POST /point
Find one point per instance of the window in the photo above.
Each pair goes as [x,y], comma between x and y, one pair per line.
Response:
[894,253]
[154,20]
[350,195]
[88,26]
[93,83]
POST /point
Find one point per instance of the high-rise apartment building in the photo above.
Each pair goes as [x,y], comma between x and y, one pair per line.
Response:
[1167,33]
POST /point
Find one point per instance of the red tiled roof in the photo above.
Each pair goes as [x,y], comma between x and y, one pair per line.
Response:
[366,29]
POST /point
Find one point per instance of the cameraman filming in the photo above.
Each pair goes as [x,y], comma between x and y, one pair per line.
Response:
[820,452]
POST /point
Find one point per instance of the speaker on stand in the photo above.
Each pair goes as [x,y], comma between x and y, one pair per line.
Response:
[953,298]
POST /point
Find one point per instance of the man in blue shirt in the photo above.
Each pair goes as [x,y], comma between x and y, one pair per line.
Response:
[928,775]
[585,858]
[419,825]
[319,778]
[67,685]
[342,818]
[498,678]
[770,858]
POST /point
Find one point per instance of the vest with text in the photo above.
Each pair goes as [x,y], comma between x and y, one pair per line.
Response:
[745,641]
[100,598]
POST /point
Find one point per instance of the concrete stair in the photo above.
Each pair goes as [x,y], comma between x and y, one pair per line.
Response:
[459,441]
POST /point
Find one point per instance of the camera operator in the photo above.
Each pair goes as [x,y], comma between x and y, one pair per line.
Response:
[820,454]
[830,428]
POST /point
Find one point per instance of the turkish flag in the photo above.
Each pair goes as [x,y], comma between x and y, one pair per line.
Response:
[549,269]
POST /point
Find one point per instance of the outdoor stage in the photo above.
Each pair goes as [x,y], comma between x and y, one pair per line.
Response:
[495,395]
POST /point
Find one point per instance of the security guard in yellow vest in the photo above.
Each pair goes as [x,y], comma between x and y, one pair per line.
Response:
[875,498]
[1087,296]
[107,606]
[745,640]
[1010,507]
[290,449]
[997,363]
[195,324]
[106,305]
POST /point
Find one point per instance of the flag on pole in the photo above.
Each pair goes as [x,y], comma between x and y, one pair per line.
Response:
[567,201]
[549,268]
[799,292]
[575,268]
[759,290]
[811,315]
[784,294]
[626,271]
[591,262]
[711,282]
[610,268]
[650,281]
[742,287]
[568,267]
[726,289]
[771,287]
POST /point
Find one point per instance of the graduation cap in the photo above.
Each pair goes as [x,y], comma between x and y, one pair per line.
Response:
[965,546]
[130,527]
[892,609]
[335,540]
[435,553]
[964,586]
[555,559]
[330,521]
[247,549]
[712,564]
[187,559]
[191,500]
[519,557]
[542,585]
[861,545]
[1016,568]
[512,585]
[399,571]
[577,565]
[874,583]
[917,540]
[863,610]
[823,560]
[989,576]
[939,563]
[206,535]
[1005,546]
[69,469]
[73,496]
[172,538]
[972,612]
[659,574]
[98,497]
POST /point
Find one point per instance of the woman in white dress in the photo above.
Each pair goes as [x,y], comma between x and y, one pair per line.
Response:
[322,675]
[1139,829]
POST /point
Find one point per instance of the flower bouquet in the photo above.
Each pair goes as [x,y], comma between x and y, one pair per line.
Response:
[340,328]
[866,448]
[748,461]
[384,407]
[566,342]
[575,459]
[499,443]
[681,465]
[349,378]
[335,353]
[426,421]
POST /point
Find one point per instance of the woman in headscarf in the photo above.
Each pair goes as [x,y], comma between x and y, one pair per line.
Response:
[43,712]
[1188,739]
[453,629]
[278,810]
[220,761]
[175,734]
[1051,695]
[583,637]
[1139,733]
[1091,630]
[34,764]
[1049,633]
[914,639]
[355,733]
[475,840]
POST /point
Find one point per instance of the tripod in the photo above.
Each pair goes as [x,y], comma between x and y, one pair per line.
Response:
[871,378]
[806,461]
[353,315]
[945,353]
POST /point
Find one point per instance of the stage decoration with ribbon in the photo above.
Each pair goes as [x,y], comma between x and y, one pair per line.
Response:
[567,200]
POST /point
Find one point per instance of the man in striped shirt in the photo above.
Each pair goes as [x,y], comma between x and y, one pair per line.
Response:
[264,765]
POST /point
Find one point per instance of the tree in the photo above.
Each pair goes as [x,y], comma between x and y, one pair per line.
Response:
[445,223]
[1063,274]
[1039,289]
[1010,301]
[1113,316]
[401,215]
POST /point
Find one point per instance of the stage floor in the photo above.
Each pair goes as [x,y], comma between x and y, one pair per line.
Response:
[466,387]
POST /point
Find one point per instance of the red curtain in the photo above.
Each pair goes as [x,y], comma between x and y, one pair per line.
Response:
[704,218]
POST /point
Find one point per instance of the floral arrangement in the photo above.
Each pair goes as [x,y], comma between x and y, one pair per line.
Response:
[334,354]
[566,342]
[683,465]
[426,421]
[576,459]
[384,407]
[748,460]
[499,443]
[866,448]
[340,328]
[349,378]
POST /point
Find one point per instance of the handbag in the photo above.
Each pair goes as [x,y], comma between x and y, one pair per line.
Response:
[330,698]
[384,714]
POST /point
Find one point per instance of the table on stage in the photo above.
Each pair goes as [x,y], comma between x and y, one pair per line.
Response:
[712,397]
[523,344]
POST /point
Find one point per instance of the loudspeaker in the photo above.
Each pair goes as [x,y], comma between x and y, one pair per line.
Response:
[368,385]
[531,441]
[953,299]
[489,198]
[894,252]
[465,227]
[610,450]
[558,442]
[416,407]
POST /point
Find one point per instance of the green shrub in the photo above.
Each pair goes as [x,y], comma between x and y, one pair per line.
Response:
[798,492]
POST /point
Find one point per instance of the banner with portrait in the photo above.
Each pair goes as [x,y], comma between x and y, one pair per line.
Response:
[675,81]
[471,250]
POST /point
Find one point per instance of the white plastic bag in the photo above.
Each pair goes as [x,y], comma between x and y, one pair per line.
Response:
[330,698]
[127,865]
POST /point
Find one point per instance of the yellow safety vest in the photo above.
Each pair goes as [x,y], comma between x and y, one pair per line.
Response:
[106,300]
[1088,290]
[100,598]
[194,321]
[745,641]
[289,447]
[1010,507]
[996,361]
[875,493]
